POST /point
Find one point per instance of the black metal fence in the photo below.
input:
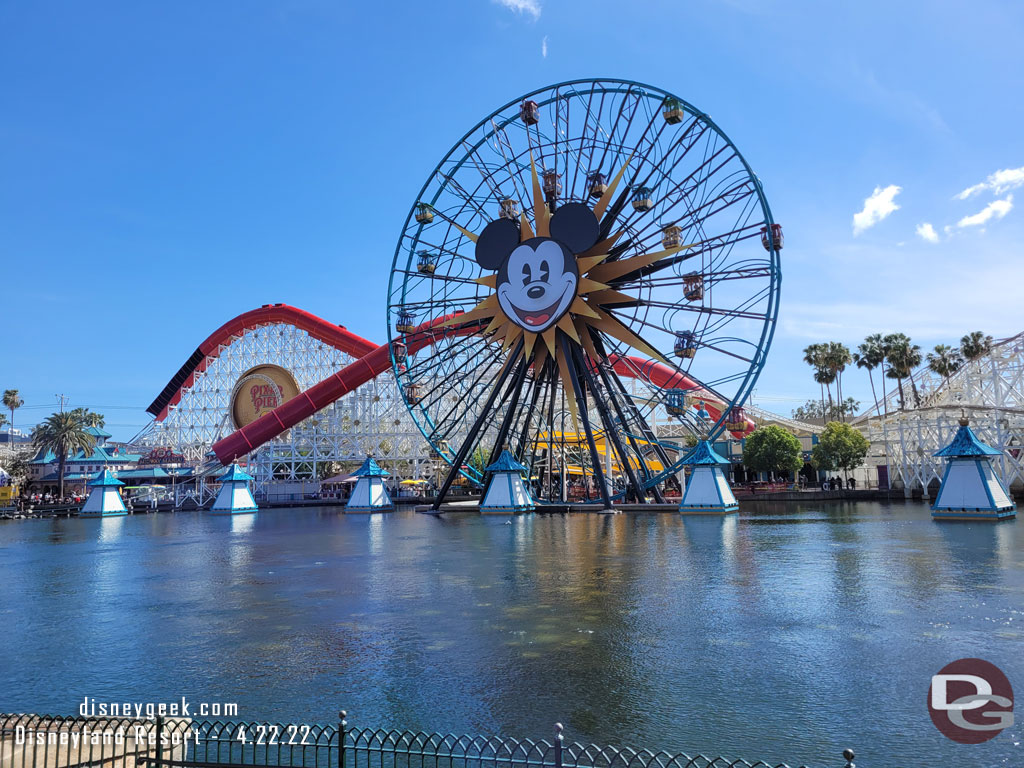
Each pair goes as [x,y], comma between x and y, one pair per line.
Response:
[39,741]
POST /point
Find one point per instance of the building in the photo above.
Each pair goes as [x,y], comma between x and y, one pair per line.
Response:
[80,468]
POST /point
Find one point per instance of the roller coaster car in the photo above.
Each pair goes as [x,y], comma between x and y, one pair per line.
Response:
[529,112]
[672,111]
[776,236]
[424,213]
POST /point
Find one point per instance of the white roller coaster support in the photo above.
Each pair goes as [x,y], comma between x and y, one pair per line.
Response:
[372,420]
[991,392]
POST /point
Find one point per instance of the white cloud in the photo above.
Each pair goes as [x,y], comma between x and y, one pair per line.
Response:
[877,207]
[544,47]
[940,276]
[999,182]
[996,209]
[927,232]
[527,7]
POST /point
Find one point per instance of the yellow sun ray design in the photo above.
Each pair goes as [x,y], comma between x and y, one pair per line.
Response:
[585,313]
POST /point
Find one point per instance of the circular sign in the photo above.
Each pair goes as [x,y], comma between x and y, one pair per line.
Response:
[970,701]
[260,390]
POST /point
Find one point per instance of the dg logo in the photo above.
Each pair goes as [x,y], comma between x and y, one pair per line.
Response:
[970,701]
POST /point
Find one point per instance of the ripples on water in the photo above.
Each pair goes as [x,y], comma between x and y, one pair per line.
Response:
[785,634]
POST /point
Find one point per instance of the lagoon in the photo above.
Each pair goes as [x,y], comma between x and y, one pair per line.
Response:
[784,633]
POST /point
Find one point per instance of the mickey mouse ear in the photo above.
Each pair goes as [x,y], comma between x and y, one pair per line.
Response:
[496,242]
[575,226]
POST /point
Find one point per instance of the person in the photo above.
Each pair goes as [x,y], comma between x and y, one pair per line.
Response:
[852,483]
[837,483]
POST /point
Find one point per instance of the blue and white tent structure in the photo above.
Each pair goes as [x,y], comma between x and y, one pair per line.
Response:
[970,489]
[370,495]
[506,494]
[234,496]
[104,498]
[707,491]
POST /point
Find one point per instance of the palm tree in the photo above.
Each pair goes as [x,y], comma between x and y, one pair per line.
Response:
[903,358]
[11,403]
[825,377]
[974,345]
[814,356]
[871,354]
[945,361]
[63,434]
[837,357]
[90,418]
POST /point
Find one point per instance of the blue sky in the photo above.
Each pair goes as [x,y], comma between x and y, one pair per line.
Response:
[164,167]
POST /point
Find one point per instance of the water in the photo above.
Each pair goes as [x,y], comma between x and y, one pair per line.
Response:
[786,634]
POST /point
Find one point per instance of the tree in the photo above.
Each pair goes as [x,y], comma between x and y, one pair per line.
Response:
[17,467]
[814,356]
[869,355]
[840,446]
[12,402]
[903,357]
[945,360]
[90,418]
[809,411]
[772,449]
[63,434]
[848,407]
[974,345]
[837,357]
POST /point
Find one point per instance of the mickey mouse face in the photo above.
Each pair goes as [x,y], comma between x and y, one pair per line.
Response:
[537,279]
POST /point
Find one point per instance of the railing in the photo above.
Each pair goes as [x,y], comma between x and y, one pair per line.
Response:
[39,741]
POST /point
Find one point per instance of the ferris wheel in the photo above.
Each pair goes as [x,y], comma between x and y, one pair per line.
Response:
[588,257]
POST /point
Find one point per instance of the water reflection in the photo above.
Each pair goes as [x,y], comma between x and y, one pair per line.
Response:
[767,634]
[111,528]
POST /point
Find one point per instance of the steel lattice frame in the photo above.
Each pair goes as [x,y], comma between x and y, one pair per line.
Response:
[369,421]
[991,392]
[698,183]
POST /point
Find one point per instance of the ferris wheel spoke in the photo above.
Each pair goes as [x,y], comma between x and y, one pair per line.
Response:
[695,182]
[466,404]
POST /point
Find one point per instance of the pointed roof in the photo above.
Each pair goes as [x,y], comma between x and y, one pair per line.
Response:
[234,474]
[966,443]
[371,468]
[704,454]
[105,479]
[505,463]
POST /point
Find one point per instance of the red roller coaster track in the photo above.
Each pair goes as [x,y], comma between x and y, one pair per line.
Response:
[373,360]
